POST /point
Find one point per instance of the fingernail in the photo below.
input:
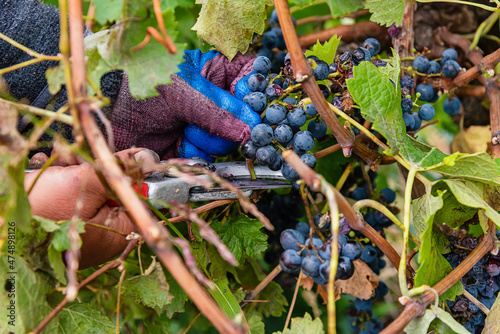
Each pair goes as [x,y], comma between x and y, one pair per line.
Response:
[146,155]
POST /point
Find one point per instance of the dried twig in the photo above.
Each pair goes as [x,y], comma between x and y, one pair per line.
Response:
[255,292]
[493,94]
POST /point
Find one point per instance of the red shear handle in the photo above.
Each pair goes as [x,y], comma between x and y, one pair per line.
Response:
[141,189]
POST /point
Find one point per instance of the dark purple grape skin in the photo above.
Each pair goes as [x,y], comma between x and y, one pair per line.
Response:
[256,100]
[345,268]
[321,70]
[393,30]
[409,121]
[270,40]
[290,262]
[317,128]
[276,113]
[324,90]
[249,150]
[303,228]
[359,193]
[276,165]
[291,239]
[262,135]
[309,160]
[406,104]
[344,57]
[303,141]
[273,91]
[352,250]
[373,45]
[310,110]
[262,65]
[288,172]
[324,270]
[421,64]
[452,106]
[388,195]
[283,134]
[426,92]
[434,67]
[427,112]
[296,117]
[369,254]
[448,54]
[266,155]
[406,81]
[451,68]
[257,82]
[310,266]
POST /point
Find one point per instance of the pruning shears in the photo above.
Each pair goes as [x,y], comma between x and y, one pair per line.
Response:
[162,188]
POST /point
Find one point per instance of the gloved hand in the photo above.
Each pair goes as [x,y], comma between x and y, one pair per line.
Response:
[196,115]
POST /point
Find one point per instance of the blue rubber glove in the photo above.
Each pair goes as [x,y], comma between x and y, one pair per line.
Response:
[196,141]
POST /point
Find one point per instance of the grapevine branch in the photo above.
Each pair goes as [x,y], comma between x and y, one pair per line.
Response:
[303,74]
[157,237]
[494,96]
[203,208]
[416,307]
[323,18]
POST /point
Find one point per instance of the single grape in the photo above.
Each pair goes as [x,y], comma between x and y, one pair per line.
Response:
[310,266]
[337,102]
[273,91]
[288,172]
[345,268]
[374,326]
[266,155]
[262,135]
[262,65]
[379,63]
[451,68]
[290,100]
[309,160]
[265,53]
[388,195]
[291,239]
[303,141]
[359,55]
[369,254]
[249,150]
[283,134]
[426,112]
[448,54]
[417,122]
[393,30]
[320,71]
[324,270]
[319,280]
[256,100]
[344,226]
[452,106]
[310,109]
[344,57]
[276,165]
[289,261]
[373,45]
[406,82]
[421,64]
[303,228]
[409,121]
[363,305]
[296,117]
[257,82]
[406,104]
[352,250]
[359,193]
[493,267]
[320,219]
[426,92]
[275,113]
[317,128]
[434,67]
[332,68]
[269,40]
[317,243]
[324,90]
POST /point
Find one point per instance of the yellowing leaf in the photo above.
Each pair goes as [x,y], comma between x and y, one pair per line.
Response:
[326,51]
[229,25]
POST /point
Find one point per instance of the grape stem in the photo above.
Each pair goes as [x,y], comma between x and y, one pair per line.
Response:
[258,289]
[493,94]
[368,203]
[328,190]
[407,220]
[294,299]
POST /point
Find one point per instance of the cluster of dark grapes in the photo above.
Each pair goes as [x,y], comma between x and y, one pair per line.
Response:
[423,67]
[482,282]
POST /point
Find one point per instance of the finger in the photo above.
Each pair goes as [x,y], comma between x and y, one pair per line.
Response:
[100,245]
[138,163]
[38,160]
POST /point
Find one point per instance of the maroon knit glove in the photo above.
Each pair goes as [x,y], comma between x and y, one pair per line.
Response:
[158,122]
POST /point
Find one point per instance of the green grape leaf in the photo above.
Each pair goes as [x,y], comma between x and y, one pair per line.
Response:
[14,204]
[179,298]
[172,4]
[472,195]
[218,266]
[326,51]
[57,264]
[304,325]
[242,235]
[300,3]
[380,104]
[108,11]
[433,265]
[422,154]
[453,213]
[276,301]
[225,299]
[151,290]
[61,241]
[386,12]
[340,8]
[46,224]
[475,167]
[420,325]
[83,318]
[492,323]
[29,297]
[330,166]
[393,67]
[256,324]
[230,25]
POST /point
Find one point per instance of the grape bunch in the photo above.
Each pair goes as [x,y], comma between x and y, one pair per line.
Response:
[482,282]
